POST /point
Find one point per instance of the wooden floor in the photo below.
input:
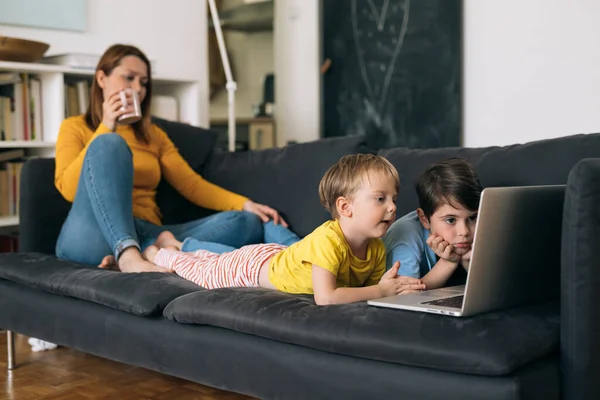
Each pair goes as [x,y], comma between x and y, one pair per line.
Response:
[65,374]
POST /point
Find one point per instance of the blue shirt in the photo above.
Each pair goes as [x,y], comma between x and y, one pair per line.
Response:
[406,241]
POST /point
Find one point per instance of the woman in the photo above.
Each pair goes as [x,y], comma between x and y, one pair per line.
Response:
[110,171]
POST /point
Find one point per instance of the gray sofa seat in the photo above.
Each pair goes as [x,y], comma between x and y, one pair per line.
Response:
[140,294]
[496,343]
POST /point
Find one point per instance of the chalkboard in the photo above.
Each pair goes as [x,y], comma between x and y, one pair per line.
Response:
[395,72]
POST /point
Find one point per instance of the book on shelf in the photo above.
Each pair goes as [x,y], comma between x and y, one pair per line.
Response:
[20,107]
[7,78]
[11,164]
[9,243]
[8,155]
[77,97]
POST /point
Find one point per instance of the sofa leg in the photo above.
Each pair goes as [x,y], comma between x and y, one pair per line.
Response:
[10,350]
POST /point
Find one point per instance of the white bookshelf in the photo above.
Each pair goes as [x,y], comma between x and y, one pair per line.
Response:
[52,78]
[32,144]
[11,220]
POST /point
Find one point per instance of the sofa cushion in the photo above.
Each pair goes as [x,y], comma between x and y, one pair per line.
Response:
[140,294]
[286,179]
[488,344]
[195,145]
[533,163]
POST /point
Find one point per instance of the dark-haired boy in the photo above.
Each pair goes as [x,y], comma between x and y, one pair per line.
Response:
[434,240]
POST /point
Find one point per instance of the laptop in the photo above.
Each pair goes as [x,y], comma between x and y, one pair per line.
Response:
[515,256]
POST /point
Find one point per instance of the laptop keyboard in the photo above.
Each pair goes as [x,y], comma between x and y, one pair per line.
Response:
[452,302]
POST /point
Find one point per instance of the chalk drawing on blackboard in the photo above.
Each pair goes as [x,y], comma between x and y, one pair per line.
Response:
[378,102]
[379,16]
[395,72]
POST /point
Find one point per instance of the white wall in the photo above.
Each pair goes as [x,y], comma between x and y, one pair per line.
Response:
[297,76]
[172,36]
[531,70]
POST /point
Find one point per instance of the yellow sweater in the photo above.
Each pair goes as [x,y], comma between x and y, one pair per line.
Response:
[150,161]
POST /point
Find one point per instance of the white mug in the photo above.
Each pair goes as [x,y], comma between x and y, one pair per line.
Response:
[134,115]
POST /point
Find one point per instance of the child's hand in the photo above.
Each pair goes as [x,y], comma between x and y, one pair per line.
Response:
[466,259]
[391,284]
[442,248]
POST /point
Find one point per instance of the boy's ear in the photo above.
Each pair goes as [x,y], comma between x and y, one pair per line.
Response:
[343,206]
[423,218]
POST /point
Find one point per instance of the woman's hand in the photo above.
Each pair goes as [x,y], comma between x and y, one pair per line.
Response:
[264,212]
[112,110]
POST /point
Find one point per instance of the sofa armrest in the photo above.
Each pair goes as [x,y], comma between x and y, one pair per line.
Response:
[580,280]
[42,209]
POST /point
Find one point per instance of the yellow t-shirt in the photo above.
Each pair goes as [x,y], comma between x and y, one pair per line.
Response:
[326,247]
[159,157]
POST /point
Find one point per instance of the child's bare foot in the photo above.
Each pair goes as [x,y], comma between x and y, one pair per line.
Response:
[167,240]
[150,252]
[131,260]
[109,262]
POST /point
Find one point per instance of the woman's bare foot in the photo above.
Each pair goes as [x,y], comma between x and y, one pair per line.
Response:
[109,262]
[131,260]
[166,240]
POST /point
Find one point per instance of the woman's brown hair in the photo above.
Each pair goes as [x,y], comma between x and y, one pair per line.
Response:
[110,59]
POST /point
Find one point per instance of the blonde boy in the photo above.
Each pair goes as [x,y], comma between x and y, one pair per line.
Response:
[341,261]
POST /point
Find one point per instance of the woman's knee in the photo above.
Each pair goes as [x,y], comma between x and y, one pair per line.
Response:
[110,143]
[249,224]
[81,246]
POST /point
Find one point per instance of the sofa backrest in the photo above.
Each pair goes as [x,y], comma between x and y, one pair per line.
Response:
[42,209]
[286,179]
[543,162]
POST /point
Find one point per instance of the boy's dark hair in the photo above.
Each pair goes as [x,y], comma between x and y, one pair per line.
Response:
[452,181]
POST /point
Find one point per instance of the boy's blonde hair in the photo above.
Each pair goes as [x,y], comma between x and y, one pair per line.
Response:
[344,178]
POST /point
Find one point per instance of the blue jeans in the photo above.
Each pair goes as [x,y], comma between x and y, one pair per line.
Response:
[101,220]
[272,234]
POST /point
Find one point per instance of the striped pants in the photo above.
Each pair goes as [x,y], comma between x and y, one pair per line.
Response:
[238,268]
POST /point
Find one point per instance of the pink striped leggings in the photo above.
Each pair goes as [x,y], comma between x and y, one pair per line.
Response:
[238,268]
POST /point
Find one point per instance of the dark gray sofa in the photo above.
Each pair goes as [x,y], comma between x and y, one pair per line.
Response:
[274,345]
